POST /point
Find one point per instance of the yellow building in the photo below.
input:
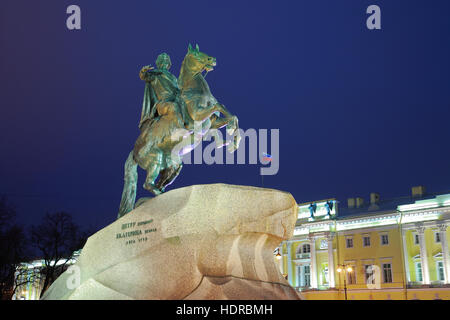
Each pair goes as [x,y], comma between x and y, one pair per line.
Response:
[394,249]
[30,278]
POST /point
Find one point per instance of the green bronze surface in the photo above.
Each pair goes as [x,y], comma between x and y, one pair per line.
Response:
[176,115]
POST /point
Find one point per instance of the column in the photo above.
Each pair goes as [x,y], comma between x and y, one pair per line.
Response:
[331,283]
[423,255]
[406,257]
[313,267]
[289,263]
[445,256]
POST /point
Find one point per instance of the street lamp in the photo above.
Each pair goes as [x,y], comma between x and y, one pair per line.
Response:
[345,269]
[278,255]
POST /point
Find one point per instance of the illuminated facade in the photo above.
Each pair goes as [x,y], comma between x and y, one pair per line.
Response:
[395,249]
[31,279]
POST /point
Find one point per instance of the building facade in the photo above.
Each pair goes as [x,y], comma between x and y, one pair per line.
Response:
[30,279]
[395,249]
[381,250]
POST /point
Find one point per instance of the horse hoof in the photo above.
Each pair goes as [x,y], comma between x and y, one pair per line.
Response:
[153,189]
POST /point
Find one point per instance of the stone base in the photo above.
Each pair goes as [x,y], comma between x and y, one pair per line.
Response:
[199,242]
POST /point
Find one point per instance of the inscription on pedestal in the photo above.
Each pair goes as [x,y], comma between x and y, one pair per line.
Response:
[138,232]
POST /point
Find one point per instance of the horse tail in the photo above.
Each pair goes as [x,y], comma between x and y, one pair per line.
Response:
[129,188]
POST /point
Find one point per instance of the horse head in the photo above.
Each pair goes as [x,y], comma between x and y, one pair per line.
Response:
[198,61]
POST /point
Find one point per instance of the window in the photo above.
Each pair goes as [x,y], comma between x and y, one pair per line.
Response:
[369,273]
[416,239]
[351,276]
[349,242]
[306,248]
[384,239]
[307,276]
[366,241]
[440,271]
[387,273]
[323,244]
[437,237]
[419,277]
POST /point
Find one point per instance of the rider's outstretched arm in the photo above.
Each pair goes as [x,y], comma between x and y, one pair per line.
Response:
[147,73]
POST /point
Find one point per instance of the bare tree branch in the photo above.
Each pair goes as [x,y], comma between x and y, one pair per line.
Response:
[57,237]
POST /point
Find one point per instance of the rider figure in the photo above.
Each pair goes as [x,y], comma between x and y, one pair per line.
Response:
[161,117]
[161,90]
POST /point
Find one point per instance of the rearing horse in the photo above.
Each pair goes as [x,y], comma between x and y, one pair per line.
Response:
[202,113]
[200,104]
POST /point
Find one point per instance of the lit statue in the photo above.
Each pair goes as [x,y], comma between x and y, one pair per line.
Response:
[176,115]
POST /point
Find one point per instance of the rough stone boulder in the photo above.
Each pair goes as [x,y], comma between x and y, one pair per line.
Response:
[199,242]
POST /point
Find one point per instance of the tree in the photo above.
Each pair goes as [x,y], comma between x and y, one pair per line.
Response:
[13,250]
[57,237]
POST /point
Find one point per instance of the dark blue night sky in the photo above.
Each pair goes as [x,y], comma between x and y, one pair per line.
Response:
[358,110]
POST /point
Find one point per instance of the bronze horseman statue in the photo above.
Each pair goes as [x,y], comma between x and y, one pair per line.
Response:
[176,115]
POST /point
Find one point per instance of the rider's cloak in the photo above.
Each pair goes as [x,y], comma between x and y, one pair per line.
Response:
[148,104]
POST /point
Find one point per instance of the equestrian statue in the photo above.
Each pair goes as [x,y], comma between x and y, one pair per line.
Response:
[176,115]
